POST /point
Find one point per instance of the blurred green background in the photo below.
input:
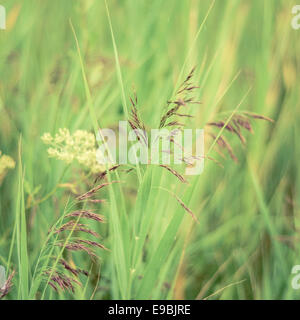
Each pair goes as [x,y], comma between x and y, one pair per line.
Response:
[247,239]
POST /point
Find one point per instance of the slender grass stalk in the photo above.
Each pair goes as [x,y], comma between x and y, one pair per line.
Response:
[22,233]
[120,80]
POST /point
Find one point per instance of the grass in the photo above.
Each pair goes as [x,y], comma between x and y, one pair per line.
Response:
[73,65]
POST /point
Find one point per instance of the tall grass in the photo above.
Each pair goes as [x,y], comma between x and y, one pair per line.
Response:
[80,76]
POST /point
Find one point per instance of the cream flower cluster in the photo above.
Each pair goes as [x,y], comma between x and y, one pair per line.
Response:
[6,163]
[78,146]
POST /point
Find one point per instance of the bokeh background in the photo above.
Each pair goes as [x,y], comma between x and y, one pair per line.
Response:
[247,239]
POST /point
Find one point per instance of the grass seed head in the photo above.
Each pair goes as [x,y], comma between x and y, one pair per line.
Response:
[86,214]
[7,285]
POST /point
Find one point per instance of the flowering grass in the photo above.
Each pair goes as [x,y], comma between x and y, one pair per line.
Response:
[72,229]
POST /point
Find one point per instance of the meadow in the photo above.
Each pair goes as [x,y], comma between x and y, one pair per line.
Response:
[70,229]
